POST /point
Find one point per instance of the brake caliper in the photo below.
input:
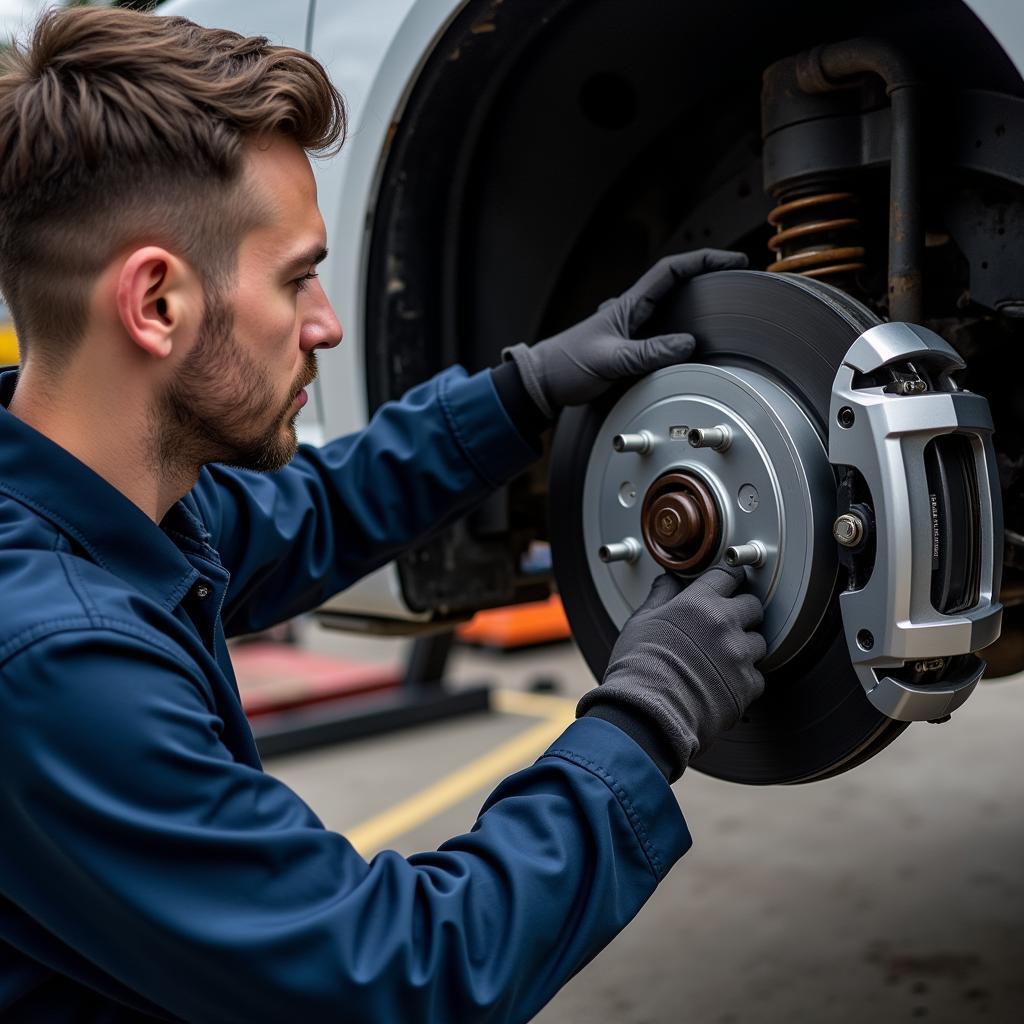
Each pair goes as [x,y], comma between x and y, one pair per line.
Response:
[920,521]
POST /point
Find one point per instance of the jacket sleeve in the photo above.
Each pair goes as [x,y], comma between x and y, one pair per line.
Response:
[293,538]
[209,889]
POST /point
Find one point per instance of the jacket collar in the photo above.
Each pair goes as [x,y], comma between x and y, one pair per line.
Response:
[115,533]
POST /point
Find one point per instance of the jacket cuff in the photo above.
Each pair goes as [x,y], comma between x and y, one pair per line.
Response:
[524,412]
[482,427]
[643,731]
[641,790]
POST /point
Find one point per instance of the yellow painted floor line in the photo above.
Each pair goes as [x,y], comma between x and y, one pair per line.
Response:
[538,705]
[556,712]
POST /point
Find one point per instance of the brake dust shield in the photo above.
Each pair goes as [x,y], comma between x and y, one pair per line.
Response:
[636,488]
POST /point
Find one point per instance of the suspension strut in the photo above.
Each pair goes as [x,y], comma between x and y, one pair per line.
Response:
[821,113]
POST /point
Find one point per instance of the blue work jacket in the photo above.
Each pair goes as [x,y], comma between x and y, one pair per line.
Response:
[149,867]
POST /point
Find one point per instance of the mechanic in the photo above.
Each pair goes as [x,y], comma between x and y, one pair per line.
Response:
[159,234]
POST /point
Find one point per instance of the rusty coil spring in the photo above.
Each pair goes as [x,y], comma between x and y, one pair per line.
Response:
[813,236]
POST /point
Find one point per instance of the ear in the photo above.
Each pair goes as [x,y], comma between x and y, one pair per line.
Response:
[155,299]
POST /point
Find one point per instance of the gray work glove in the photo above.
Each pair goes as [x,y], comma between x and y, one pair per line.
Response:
[685,661]
[581,363]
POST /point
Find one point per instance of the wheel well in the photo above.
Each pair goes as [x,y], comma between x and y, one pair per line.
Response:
[548,153]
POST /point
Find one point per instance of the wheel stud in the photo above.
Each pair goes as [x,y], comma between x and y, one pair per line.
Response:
[629,549]
[642,442]
[716,438]
[752,553]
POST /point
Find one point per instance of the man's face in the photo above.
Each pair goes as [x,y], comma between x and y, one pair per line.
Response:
[237,393]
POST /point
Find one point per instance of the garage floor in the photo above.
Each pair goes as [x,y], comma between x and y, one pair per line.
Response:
[892,893]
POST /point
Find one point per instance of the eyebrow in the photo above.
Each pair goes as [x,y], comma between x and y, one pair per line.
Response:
[311,257]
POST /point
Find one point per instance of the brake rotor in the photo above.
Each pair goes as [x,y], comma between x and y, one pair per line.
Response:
[727,450]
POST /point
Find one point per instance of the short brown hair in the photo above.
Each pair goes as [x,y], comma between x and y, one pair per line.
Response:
[119,127]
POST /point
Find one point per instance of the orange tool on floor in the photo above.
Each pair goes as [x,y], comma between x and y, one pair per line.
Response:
[522,625]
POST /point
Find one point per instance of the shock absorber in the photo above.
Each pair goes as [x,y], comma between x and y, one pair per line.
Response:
[817,233]
[828,115]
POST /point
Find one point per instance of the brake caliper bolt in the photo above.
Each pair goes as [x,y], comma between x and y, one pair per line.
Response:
[642,442]
[848,530]
[629,549]
[716,438]
[752,553]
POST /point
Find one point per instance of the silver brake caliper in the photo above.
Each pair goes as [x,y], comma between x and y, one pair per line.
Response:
[922,451]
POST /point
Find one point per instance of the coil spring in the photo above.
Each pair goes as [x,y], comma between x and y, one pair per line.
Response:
[815,235]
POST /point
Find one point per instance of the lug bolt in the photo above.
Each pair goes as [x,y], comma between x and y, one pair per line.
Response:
[629,549]
[642,442]
[848,530]
[752,553]
[716,438]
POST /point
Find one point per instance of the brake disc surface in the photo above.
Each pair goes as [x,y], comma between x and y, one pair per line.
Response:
[768,347]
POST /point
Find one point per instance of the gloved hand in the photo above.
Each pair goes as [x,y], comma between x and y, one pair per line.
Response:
[685,663]
[581,363]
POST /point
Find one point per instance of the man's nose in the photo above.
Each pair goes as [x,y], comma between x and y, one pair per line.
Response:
[321,328]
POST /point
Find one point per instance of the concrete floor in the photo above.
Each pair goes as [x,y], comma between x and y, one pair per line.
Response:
[892,893]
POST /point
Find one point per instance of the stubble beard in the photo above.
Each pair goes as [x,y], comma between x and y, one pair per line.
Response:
[222,407]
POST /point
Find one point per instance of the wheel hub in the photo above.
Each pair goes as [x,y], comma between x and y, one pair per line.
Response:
[771,483]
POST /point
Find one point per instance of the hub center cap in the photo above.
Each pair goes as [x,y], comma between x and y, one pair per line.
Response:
[680,522]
